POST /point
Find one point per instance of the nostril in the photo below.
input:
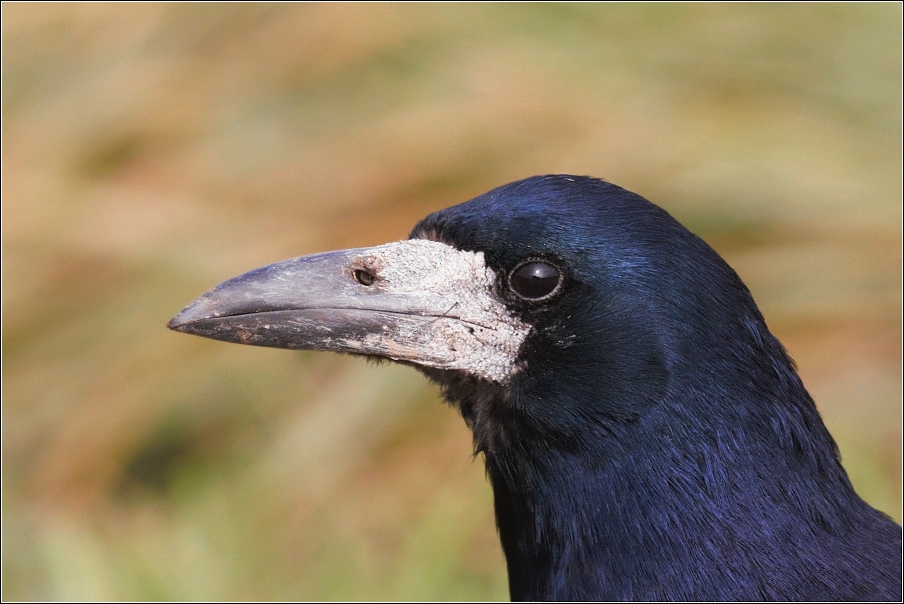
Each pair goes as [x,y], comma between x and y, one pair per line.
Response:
[363,277]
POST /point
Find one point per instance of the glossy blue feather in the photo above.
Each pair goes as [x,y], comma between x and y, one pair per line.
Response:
[657,442]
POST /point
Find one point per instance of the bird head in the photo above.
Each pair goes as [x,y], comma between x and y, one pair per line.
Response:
[562,302]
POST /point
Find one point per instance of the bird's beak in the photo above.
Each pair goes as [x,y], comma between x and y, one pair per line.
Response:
[417,301]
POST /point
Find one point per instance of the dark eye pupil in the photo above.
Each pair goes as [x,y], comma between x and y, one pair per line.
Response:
[534,280]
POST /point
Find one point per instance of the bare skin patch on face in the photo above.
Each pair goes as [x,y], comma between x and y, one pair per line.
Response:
[471,329]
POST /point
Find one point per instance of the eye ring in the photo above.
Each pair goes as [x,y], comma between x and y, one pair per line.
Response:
[535,279]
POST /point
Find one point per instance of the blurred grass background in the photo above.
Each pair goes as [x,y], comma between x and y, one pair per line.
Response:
[151,151]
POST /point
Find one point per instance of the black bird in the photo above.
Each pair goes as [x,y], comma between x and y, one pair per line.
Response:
[646,436]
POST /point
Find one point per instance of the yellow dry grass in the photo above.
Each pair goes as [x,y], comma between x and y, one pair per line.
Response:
[151,151]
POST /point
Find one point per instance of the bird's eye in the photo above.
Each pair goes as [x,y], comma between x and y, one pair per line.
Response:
[535,280]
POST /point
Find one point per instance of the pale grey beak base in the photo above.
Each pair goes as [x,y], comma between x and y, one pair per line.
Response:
[427,303]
